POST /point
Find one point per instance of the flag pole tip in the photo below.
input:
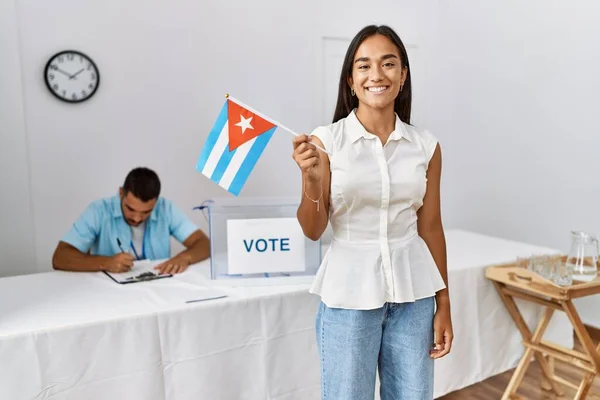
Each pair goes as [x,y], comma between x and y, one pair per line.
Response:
[226,95]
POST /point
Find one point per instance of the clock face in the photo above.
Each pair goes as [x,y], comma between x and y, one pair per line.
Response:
[71,76]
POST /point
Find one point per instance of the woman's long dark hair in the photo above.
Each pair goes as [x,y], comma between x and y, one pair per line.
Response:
[346,102]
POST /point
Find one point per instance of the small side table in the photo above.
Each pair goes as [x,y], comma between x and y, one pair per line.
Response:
[512,282]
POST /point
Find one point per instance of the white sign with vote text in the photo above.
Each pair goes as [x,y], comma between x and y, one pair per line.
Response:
[265,245]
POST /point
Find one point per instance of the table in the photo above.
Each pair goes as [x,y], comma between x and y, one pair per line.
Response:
[81,336]
[486,341]
[512,282]
[73,336]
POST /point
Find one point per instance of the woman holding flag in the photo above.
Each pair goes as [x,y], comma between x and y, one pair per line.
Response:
[383,281]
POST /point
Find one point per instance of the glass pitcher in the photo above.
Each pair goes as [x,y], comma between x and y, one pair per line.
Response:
[583,256]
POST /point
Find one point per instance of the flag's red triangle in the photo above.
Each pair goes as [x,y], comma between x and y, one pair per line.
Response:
[244,125]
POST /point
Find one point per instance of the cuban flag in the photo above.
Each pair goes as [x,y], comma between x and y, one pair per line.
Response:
[234,145]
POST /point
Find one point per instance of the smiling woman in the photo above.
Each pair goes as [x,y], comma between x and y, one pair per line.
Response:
[391,69]
[383,281]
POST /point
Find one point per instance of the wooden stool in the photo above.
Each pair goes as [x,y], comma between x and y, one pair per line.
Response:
[512,282]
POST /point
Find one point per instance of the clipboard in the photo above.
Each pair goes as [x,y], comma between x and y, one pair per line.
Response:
[142,271]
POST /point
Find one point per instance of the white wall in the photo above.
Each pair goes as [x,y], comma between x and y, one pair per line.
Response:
[164,69]
[340,20]
[514,99]
[508,87]
[16,222]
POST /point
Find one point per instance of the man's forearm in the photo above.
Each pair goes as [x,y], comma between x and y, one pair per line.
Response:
[198,251]
[68,258]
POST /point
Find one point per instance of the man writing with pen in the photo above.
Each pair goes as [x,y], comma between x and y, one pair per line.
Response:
[114,232]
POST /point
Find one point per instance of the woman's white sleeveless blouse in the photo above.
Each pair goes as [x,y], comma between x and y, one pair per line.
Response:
[376,255]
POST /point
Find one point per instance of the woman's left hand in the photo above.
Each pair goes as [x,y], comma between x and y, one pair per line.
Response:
[442,328]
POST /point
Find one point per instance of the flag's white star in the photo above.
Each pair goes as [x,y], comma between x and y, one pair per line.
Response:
[244,124]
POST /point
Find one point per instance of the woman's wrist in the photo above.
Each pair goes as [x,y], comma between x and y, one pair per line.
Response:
[312,187]
[442,298]
[313,192]
[311,179]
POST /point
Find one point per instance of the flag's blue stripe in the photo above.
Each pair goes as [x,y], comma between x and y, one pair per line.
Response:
[250,161]
[213,136]
[222,164]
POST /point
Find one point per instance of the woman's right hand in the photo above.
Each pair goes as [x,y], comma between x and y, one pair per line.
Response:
[308,158]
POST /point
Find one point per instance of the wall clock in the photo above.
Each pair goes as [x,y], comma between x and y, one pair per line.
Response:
[71,76]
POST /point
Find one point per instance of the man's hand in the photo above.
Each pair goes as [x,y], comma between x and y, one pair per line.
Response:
[118,263]
[175,265]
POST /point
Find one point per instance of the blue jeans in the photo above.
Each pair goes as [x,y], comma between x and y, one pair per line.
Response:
[396,338]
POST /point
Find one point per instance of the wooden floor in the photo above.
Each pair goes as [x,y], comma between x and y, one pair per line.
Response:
[493,388]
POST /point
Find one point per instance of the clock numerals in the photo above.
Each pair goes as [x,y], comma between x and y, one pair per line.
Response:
[66,79]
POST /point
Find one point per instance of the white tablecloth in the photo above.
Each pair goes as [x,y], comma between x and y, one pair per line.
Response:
[80,336]
[487,341]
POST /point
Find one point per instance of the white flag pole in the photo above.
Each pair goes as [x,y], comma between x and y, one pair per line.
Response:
[227,96]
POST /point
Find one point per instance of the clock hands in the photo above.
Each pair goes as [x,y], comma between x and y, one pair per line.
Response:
[76,73]
[71,76]
[62,72]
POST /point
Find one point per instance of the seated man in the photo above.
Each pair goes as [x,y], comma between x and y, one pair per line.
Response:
[136,225]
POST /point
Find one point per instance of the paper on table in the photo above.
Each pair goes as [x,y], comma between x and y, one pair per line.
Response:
[142,270]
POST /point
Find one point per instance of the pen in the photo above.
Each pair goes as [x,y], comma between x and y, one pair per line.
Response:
[208,298]
[121,247]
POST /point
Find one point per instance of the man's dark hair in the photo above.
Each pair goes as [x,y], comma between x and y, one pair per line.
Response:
[143,183]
